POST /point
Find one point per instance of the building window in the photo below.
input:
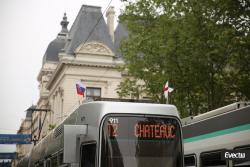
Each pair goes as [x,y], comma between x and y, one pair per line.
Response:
[93,93]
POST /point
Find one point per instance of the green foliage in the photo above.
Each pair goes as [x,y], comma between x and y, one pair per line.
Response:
[201,47]
[52,126]
[130,88]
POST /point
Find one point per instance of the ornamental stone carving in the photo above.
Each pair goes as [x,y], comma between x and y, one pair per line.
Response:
[96,48]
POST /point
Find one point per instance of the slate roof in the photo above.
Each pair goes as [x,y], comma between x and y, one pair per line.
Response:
[88,21]
[57,44]
[120,34]
[53,49]
[28,114]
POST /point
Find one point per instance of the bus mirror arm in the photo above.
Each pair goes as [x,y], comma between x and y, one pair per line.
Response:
[72,142]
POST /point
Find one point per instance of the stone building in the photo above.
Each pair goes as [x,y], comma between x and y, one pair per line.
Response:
[88,52]
[25,128]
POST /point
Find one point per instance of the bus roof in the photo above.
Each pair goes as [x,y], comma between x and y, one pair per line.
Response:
[214,113]
[102,108]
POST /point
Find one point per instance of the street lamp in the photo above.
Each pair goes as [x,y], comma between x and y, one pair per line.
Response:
[33,109]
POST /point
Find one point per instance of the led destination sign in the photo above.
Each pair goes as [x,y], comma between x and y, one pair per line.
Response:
[141,128]
[154,131]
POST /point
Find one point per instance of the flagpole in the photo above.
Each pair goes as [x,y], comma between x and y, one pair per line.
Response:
[167,99]
[79,100]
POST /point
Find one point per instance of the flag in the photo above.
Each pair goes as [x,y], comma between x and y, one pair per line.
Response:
[80,89]
[167,90]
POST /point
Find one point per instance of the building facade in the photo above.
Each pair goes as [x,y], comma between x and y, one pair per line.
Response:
[25,128]
[88,52]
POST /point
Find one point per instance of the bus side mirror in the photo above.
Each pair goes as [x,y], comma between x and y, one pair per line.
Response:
[70,142]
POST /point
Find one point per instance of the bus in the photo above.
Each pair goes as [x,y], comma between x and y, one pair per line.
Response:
[112,134]
[208,136]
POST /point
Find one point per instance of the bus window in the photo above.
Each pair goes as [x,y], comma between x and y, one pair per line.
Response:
[141,141]
[189,160]
[39,164]
[48,163]
[242,162]
[88,152]
[60,159]
[212,159]
[54,161]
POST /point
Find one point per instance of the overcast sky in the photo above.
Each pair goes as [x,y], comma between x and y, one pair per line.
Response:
[26,29]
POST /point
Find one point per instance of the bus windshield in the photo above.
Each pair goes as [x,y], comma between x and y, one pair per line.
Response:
[141,141]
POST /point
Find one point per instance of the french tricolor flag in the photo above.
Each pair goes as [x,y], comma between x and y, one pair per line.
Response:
[80,89]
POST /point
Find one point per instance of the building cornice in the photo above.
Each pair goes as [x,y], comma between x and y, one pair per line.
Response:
[45,70]
[54,75]
[71,61]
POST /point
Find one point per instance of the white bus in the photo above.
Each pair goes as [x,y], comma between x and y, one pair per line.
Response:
[207,136]
[112,134]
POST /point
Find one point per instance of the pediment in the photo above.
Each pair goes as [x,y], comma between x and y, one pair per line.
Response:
[95,48]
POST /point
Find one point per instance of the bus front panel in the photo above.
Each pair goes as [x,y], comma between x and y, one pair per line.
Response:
[141,141]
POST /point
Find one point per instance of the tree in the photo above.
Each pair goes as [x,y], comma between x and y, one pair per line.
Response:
[201,47]
[130,88]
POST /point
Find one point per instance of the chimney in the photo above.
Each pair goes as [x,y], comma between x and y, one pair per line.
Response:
[110,14]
